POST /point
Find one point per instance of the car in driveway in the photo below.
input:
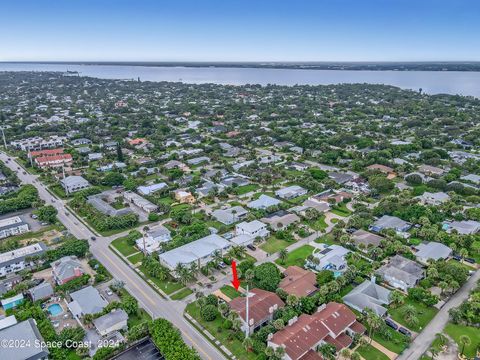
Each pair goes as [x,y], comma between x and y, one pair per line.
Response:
[251,247]
[391,323]
[405,332]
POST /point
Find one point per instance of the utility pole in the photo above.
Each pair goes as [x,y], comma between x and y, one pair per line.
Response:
[247,329]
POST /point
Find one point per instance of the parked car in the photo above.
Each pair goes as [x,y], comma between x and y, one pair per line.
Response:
[93,238]
[456,257]
[405,332]
[251,247]
[222,265]
[470,260]
[109,292]
[391,323]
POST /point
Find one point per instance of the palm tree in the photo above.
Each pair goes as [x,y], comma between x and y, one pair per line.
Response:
[217,257]
[145,229]
[464,340]
[223,309]
[247,343]
[397,298]
[283,255]
[374,322]
[279,352]
[345,353]
[463,253]
[410,314]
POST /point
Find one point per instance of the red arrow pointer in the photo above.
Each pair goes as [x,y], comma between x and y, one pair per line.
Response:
[235,281]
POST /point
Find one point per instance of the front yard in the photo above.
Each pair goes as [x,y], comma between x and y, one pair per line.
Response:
[368,352]
[296,257]
[273,245]
[167,286]
[224,336]
[230,291]
[424,314]
[455,331]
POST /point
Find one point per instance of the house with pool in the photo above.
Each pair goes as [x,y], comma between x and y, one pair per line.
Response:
[328,257]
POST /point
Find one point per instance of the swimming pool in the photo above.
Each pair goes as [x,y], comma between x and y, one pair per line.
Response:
[55,309]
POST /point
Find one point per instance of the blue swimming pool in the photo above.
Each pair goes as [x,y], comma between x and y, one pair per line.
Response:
[55,309]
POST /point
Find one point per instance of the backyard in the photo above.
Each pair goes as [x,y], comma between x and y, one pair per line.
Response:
[368,352]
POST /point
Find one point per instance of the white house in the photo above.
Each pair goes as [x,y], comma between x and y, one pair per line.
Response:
[12,226]
[291,192]
[253,228]
[73,184]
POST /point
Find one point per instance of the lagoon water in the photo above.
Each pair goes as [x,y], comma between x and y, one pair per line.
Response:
[432,82]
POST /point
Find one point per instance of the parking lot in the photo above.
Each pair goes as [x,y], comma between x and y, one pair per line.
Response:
[145,350]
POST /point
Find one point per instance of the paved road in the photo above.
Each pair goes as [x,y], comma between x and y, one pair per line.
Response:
[146,296]
[423,341]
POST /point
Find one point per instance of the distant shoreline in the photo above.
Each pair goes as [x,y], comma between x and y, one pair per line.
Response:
[473,66]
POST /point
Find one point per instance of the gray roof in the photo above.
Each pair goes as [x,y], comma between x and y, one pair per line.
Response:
[27,333]
[41,291]
[103,323]
[263,202]
[403,269]
[464,227]
[66,267]
[87,300]
[74,180]
[366,238]
[432,250]
[14,256]
[194,251]
[390,222]
[368,295]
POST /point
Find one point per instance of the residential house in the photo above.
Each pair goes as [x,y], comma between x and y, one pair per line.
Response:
[184,197]
[368,295]
[435,199]
[383,169]
[291,192]
[366,238]
[115,320]
[431,170]
[390,222]
[140,202]
[12,226]
[263,202]
[25,332]
[262,305]
[150,189]
[331,257]
[12,302]
[86,301]
[432,251]
[253,228]
[74,183]
[16,260]
[66,269]
[298,282]
[199,252]
[401,273]
[41,292]
[54,161]
[333,323]
[153,238]
[230,215]
[280,220]
[464,227]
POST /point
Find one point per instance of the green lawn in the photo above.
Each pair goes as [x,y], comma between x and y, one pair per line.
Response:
[318,224]
[397,342]
[135,258]
[138,318]
[215,328]
[424,314]
[167,200]
[341,210]
[273,245]
[326,239]
[230,291]
[368,352]
[241,190]
[455,331]
[167,286]
[297,256]
[179,295]
[121,245]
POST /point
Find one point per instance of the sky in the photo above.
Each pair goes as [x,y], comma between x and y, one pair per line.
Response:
[240,30]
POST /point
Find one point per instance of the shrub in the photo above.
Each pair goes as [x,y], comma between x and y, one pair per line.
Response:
[209,312]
